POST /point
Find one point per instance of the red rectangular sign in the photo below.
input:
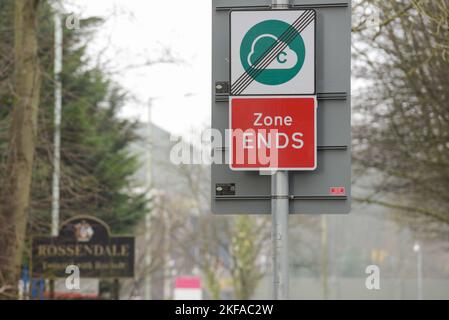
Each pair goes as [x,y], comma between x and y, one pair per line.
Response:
[273,133]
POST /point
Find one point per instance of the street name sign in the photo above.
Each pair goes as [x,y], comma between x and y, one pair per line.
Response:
[273,133]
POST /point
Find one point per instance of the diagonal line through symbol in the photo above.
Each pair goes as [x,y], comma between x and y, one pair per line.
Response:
[272,52]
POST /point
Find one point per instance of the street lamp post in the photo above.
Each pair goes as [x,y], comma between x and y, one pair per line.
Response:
[417,248]
[57,124]
[150,187]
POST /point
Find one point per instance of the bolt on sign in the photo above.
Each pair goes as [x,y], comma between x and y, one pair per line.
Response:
[86,242]
[272,52]
[273,133]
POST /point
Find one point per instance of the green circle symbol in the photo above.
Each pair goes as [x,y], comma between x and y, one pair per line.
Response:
[257,42]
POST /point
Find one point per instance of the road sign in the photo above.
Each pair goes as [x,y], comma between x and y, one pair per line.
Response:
[84,241]
[273,133]
[327,189]
[188,288]
[272,52]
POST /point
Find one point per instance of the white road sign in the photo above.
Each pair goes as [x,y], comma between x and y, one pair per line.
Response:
[273,52]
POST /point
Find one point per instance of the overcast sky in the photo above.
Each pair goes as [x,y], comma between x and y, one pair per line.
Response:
[138,29]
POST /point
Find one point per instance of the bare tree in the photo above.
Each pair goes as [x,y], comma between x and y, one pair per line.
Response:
[224,248]
[401,132]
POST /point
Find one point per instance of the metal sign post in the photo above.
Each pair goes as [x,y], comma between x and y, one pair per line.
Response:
[279,235]
[279,220]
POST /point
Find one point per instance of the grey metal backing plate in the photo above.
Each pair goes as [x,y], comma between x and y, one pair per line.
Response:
[309,190]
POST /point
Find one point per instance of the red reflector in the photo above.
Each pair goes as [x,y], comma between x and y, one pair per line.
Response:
[337,191]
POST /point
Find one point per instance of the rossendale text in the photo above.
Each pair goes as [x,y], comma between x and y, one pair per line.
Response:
[79,250]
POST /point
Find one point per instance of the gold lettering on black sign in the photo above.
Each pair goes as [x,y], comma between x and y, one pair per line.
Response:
[80,250]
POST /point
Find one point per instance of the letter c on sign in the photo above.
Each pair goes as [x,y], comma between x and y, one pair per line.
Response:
[278,58]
